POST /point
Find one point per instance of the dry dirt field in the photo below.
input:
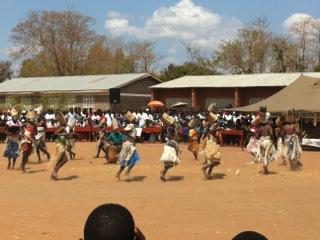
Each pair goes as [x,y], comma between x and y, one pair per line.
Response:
[283,205]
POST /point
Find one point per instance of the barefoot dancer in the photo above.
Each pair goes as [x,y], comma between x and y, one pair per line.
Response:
[28,139]
[265,131]
[212,155]
[13,139]
[71,138]
[41,137]
[61,145]
[171,152]
[102,144]
[128,156]
[288,143]
[194,137]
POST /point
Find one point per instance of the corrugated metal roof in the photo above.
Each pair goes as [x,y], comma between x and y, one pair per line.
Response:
[69,83]
[241,80]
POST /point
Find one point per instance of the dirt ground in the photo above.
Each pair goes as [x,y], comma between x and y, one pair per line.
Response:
[282,205]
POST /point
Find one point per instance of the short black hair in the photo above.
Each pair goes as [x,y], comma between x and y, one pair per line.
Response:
[109,222]
[249,235]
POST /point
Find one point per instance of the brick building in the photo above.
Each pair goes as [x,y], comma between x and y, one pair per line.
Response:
[223,90]
[78,91]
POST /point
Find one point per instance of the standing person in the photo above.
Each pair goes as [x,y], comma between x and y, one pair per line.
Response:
[212,155]
[41,137]
[128,156]
[102,143]
[13,138]
[28,139]
[210,124]
[171,153]
[71,138]
[266,141]
[193,138]
[288,143]
[61,146]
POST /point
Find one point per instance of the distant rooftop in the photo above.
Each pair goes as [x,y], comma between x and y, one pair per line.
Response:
[240,80]
[89,83]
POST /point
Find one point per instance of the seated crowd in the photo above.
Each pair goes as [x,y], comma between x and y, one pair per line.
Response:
[143,118]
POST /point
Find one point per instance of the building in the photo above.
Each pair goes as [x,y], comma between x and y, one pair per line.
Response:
[223,90]
[78,91]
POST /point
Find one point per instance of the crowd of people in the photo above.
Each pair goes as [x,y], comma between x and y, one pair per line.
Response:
[143,118]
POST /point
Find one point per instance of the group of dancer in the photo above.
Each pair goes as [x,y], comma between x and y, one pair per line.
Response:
[24,138]
[268,141]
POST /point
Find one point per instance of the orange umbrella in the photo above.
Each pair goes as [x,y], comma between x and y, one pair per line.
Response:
[155,104]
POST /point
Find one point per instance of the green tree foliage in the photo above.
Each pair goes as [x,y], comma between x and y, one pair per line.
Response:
[63,36]
[176,71]
[248,52]
[53,43]
[40,65]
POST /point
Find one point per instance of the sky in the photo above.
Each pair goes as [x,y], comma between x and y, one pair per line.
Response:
[168,23]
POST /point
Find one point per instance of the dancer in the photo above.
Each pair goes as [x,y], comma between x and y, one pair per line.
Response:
[28,139]
[266,141]
[212,155]
[13,138]
[41,137]
[61,146]
[171,153]
[211,124]
[194,137]
[102,141]
[288,143]
[71,138]
[128,156]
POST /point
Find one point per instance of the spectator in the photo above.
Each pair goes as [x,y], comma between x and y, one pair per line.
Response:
[249,235]
[112,222]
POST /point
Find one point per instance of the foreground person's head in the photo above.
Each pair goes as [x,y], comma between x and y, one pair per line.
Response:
[249,235]
[111,222]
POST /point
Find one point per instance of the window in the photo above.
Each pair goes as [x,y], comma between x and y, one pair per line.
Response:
[71,101]
[10,101]
[53,102]
[254,100]
[88,101]
[26,102]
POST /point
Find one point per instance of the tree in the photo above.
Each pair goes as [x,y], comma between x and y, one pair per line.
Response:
[285,56]
[248,52]
[142,56]
[5,71]
[315,31]
[301,30]
[41,65]
[230,57]
[99,57]
[188,68]
[198,58]
[63,36]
